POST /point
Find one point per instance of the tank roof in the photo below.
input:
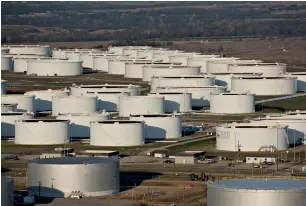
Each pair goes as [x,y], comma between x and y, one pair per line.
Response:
[71,160]
[106,86]
[117,122]
[169,67]
[262,184]
[258,64]
[233,94]
[237,73]
[254,124]
[199,87]
[264,77]
[183,77]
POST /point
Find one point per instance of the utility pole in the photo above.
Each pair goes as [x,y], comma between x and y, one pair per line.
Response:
[238,154]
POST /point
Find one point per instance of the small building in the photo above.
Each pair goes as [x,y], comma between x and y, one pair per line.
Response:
[258,160]
[189,157]
[98,153]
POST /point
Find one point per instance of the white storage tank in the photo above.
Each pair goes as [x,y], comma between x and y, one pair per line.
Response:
[141,105]
[232,103]
[21,62]
[225,79]
[176,101]
[7,191]
[154,70]
[43,50]
[80,123]
[66,176]
[54,67]
[77,90]
[8,107]
[108,101]
[3,86]
[26,103]
[42,132]
[181,81]
[117,66]
[252,136]
[160,126]
[218,65]
[200,95]
[43,98]
[255,192]
[58,53]
[117,133]
[201,61]
[267,69]
[73,104]
[265,86]
[301,80]
[8,122]
[6,62]
[100,63]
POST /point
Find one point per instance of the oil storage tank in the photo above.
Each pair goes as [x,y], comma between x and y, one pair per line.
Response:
[232,103]
[176,101]
[80,123]
[6,62]
[8,122]
[54,67]
[3,86]
[7,191]
[21,62]
[115,133]
[43,50]
[7,107]
[41,132]
[181,81]
[117,66]
[25,103]
[160,126]
[301,80]
[77,90]
[252,136]
[267,69]
[100,62]
[141,105]
[200,95]
[73,104]
[265,86]
[255,192]
[155,70]
[43,98]
[92,176]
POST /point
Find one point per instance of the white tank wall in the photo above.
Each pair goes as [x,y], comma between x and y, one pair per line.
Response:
[179,102]
[251,138]
[135,70]
[116,67]
[141,105]
[264,68]
[265,86]
[301,80]
[108,101]
[117,133]
[59,177]
[41,132]
[200,95]
[73,104]
[78,90]
[30,49]
[80,123]
[8,107]
[6,63]
[20,63]
[181,81]
[219,65]
[25,102]
[160,126]
[59,53]
[54,67]
[8,122]
[229,103]
[3,86]
[201,61]
[7,191]
[43,98]
[100,63]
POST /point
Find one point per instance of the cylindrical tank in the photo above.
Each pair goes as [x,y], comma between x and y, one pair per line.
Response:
[232,103]
[176,101]
[225,79]
[301,80]
[65,176]
[3,86]
[201,61]
[221,65]
[41,132]
[6,62]
[150,71]
[181,81]
[7,191]
[77,90]
[43,98]
[200,95]
[8,107]
[255,192]
[58,53]
[20,62]
[265,86]
[8,122]
[25,102]
[135,69]
[54,67]
[100,62]
[141,105]
[117,66]
[251,136]
[160,126]
[43,50]
[117,133]
[80,123]
[73,104]
[108,101]
[267,69]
